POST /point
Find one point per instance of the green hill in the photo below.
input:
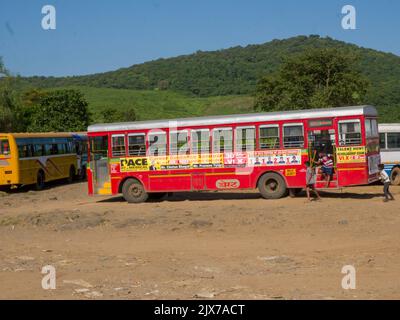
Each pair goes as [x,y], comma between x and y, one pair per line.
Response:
[234,70]
[153,104]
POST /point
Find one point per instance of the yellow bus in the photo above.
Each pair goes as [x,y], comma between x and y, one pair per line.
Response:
[37,158]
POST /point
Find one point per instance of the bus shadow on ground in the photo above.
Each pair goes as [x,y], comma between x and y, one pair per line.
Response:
[215,196]
[345,195]
[49,185]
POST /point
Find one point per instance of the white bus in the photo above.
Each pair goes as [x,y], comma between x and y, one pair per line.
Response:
[389,140]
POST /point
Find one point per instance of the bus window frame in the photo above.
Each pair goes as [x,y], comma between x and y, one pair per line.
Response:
[293,124]
[387,142]
[148,142]
[112,145]
[209,149]
[137,134]
[362,132]
[235,147]
[272,125]
[177,149]
[223,129]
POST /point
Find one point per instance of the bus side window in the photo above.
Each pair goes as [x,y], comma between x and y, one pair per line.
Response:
[393,140]
[200,141]
[222,140]
[349,132]
[38,150]
[136,144]
[157,143]
[118,145]
[293,136]
[382,140]
[61,148]
[178,142]
[25,151]
[245,138]
[269,137]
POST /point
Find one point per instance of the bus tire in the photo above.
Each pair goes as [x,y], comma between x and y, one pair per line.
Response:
[272,186]
[157,195]
[40,180]
[71,175]
[134,192]
[293,192]
[395,176]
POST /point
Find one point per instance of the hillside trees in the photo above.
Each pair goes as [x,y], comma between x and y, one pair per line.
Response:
[318,78]
[60,110]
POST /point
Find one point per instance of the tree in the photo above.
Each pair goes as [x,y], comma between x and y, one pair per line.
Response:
[60,110]
[109,115]
[12,113]
[315,79]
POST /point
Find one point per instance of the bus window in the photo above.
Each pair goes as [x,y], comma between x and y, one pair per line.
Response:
[393,140]
[293,136]
[200,140]
[382,140]
[38,150]
[62,148]
[157,143]
[269,137]
[371,128]
[118,145]
[25,151]
[178,142]
[245,138]
[136,144]
[349,132]
[4,147]
[98,148]
[222,140]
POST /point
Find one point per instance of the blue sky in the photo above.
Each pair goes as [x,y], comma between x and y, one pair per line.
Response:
[97,36]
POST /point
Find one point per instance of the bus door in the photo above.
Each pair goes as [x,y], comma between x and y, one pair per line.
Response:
[99,165]
[321,141]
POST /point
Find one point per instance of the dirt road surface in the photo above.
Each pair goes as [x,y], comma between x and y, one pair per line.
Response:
[229,245]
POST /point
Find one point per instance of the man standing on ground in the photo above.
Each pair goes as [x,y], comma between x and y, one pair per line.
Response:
[386,183]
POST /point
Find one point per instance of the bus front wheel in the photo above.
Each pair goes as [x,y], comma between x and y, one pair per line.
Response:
[40,180]
[134,192]
[395,176]
[272,186]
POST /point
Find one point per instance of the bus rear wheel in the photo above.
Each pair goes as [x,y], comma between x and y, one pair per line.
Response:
[40,180]
[134,192]
[272,186]
[395,176]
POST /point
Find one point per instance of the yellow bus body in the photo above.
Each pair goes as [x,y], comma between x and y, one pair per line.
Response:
[16,170]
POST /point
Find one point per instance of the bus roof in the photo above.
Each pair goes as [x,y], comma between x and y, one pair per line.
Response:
[238,118]
[389,127]
[39,134]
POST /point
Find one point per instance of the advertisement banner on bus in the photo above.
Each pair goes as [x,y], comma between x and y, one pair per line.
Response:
[351,154]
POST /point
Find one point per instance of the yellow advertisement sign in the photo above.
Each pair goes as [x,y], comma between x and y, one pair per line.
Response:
[134,164]
[350,154]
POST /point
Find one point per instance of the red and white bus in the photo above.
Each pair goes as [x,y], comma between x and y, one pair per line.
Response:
[267,151]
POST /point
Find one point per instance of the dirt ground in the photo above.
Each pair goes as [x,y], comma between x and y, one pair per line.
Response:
[226,245]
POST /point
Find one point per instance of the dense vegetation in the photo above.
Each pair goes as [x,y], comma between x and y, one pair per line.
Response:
[317,78]
[236,70]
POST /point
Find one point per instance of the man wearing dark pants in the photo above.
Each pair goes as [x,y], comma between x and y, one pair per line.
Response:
[386,183]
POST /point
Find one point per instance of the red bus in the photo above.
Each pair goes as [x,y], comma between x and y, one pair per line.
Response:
[267,151]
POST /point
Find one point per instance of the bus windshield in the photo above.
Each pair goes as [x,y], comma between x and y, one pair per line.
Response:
[4,147]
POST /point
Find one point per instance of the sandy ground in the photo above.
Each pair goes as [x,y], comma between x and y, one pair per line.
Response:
[199,245]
